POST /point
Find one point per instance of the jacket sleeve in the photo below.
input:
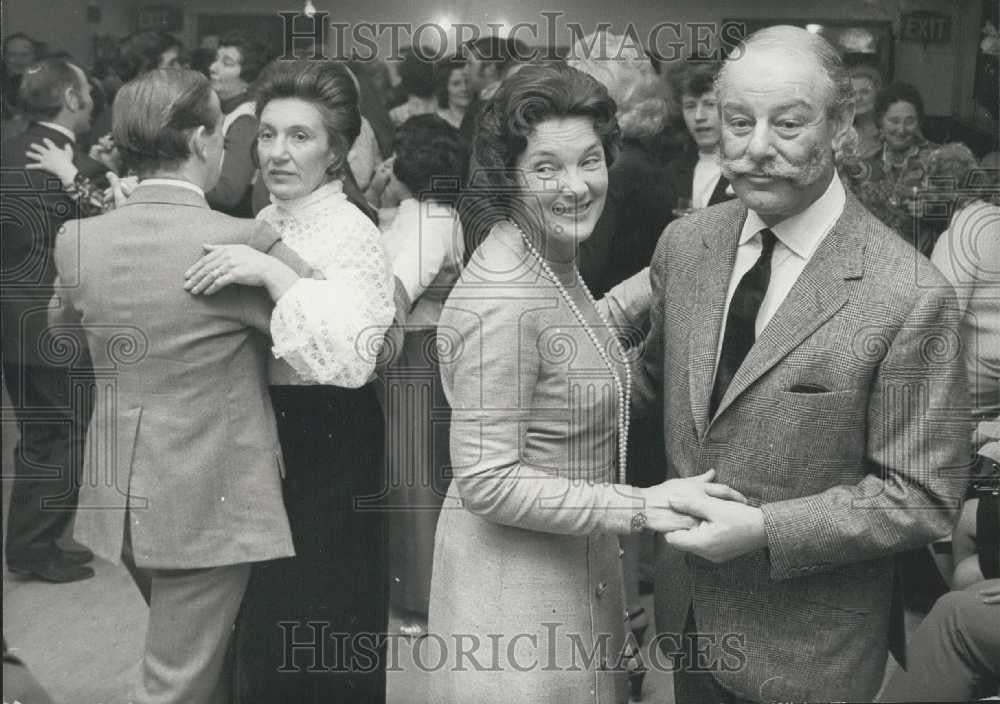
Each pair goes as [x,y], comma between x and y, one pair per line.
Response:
[917,457]
[237,165]
[490,381]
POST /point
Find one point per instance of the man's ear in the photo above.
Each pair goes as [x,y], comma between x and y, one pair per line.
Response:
[196,143]
[71,99]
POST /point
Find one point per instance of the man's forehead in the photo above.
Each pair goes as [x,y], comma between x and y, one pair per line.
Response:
[775,76]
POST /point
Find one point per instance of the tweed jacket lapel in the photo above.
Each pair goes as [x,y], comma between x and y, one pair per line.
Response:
[709,304]
[820,291]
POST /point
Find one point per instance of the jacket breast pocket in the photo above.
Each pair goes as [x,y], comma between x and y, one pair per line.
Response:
[850,403]
[829,426]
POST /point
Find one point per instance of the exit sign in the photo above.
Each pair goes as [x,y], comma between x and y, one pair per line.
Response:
[926,28]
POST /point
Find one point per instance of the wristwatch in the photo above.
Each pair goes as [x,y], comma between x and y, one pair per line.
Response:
[638,522]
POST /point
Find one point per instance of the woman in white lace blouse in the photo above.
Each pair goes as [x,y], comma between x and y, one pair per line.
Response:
[327,335]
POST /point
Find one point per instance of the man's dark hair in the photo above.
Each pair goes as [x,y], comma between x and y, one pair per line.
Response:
[155,114]
[693,77]
[416,75]
[43,87]
[899,93]
[141,52]
[254,55]
[431,157]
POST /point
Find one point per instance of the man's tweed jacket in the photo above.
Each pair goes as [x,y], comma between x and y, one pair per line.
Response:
[869,464]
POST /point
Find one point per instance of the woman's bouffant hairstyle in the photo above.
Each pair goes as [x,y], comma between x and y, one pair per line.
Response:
[155,114]
[431,157]
[442,75]
[327,85]
[141,52]
[534,94]
[630,78]
[899,93]
[416,74]
[254,55]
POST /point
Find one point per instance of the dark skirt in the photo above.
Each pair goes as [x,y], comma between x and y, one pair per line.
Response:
[312,627]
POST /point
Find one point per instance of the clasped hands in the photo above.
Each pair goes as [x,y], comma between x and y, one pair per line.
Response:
[705,518]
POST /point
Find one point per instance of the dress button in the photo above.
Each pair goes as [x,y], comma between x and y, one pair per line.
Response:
[601,588]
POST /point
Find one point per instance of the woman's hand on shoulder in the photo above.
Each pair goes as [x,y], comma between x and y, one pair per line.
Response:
[48,157]
[227,264]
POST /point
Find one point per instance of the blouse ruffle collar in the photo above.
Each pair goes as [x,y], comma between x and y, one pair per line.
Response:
[322,195]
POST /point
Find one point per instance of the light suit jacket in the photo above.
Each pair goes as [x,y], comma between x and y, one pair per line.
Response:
[846,477]
[183,435]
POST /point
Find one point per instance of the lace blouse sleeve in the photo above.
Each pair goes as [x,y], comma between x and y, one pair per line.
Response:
[331,331]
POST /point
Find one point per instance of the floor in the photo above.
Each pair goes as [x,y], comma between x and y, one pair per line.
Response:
[83,640]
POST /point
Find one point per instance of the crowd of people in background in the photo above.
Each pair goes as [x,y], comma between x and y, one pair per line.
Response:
[370,228]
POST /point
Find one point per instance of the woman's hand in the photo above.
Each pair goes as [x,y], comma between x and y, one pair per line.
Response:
[48,157]
[991,593]
[661,500]
[106,152]
[120,189]
[227,264]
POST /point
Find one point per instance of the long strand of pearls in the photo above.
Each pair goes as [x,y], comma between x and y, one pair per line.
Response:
[624,389]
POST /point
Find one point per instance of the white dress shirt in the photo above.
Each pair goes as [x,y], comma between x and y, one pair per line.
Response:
[706,176]
[798,238]
[59,128]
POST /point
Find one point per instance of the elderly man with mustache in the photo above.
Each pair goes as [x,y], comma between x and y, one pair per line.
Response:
[809,356]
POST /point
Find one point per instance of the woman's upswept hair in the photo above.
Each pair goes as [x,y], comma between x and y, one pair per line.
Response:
[536,93]
[631,80]
[155,114]
[327,85]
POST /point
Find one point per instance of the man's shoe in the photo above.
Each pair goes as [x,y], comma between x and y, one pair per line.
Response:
[52,570]
[74,554]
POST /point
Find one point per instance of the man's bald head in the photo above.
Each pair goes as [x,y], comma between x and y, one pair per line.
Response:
[784,43]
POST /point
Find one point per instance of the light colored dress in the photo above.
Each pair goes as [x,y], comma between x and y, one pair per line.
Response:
[527,557]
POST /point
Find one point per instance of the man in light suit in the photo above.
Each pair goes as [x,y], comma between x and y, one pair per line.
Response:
[809,356]
[182,475]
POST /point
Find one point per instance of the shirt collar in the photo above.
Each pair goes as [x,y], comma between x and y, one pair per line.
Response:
[804,232]
[60,128]
[173,182]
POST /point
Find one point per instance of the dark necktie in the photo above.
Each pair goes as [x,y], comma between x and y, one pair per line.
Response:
[742,319]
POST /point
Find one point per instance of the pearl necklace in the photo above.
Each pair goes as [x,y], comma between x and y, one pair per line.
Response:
[624,389]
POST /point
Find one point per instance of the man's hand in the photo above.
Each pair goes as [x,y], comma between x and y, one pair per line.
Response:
[728,529]
[664,501]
